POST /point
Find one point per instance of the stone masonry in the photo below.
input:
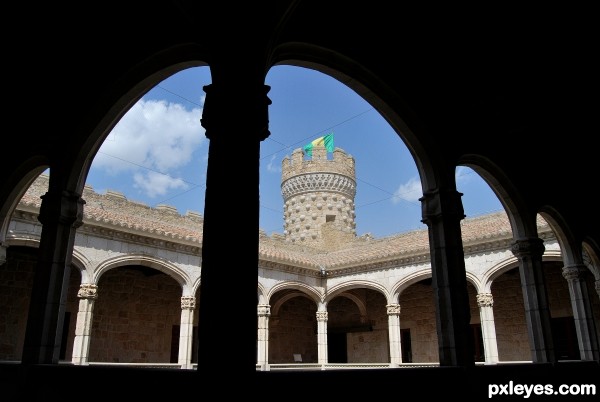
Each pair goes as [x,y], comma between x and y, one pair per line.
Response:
[318,197]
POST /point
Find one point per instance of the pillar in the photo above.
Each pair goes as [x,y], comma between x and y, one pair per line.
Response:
[262,352]
[186,331]
[87,294]
[537,313]
[485,301]
[322,317]
[442,213]
[2,253]
[393,312]
[235,117]
[61,213]
[582,312]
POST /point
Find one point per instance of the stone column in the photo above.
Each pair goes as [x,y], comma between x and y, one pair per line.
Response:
[537,313]
[186,331]
[87,294]
[582,312]
[485,301]
[262,351]
[2,253]
[322,317]
[597,285]
[60,214]
[393,312]
[235,117]
[442,212]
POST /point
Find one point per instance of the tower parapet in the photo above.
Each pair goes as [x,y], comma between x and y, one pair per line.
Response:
[318,195]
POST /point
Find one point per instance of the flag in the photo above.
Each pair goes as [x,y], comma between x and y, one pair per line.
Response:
[325,141]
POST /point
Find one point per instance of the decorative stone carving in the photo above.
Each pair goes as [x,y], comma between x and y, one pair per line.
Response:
[88,291]
[570,273]
[528,247]
[393,309]
[188,302]
[264,310]
[312,182]
[485,300]
[322,315]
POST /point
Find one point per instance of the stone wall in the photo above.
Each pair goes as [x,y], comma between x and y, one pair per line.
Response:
[417,314]
[509,318]
[294,331]
[134,316]
[16,279]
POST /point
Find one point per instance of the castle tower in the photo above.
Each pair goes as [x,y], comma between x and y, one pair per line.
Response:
[318,195]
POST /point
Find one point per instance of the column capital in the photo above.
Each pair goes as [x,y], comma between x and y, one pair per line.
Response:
[393,309]
[222,114]
[64,208]
[532,247]
[188,302]
[88,291]
[322,315]
[572,272]
[436,203]
[264,310]
[485,300]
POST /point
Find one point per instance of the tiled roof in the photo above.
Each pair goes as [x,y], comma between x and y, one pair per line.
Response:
[113,209]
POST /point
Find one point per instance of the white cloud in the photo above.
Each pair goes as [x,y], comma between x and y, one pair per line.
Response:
[463,175]
[155,184]
[410,191]
[153,136]
[273,167]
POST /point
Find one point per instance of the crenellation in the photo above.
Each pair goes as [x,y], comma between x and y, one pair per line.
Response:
[167,209]
[341,163]
[116,195]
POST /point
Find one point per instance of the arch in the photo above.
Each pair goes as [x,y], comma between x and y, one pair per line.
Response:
[570,247]
[19,180]
[513,203]
[389,104]
[408,280]
[590,259]
[509,263]
[474,280]
[261,294]
[362,308]
[342,287]
[307,290]
[196,285]
[76,161]
[81,262]
[152,262]
[496,270]
[165,64]
[275,307]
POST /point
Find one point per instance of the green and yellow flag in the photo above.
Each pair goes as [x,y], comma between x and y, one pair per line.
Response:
[325,141]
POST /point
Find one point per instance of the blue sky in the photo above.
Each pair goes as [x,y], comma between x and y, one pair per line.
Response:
[157,153]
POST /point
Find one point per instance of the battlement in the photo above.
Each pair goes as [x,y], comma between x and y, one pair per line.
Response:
[341,163]
[114,206]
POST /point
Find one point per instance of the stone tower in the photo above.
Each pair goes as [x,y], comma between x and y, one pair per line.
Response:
[318,195]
